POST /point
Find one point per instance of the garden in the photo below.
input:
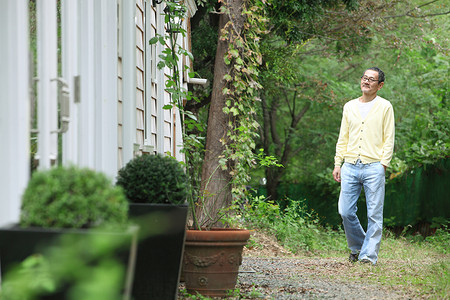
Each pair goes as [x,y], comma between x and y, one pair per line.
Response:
[256,179]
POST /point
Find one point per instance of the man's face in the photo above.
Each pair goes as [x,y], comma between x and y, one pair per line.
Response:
[369,82]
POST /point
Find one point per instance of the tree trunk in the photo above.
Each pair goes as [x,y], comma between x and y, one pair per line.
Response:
[273,176]
[216,187]
[282,148]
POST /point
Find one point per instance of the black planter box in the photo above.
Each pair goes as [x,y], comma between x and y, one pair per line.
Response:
[160,250]
[16,244]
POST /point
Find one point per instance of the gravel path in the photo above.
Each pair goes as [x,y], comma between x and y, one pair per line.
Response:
[291,278]
[302,278]
[272,272]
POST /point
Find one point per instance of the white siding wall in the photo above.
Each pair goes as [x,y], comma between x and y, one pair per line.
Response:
[105,38]
[14,103]
[140,74]
[47,85]
[128,66]
[144,126]
[119,112]
[70,66]
[151,73]
[86,67]
[89,50]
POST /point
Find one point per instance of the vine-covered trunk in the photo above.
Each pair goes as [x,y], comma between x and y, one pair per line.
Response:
[216,182]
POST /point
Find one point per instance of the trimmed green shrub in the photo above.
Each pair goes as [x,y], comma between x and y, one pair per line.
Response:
[72,197]
[154,179]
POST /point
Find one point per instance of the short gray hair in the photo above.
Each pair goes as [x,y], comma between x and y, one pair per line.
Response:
[380,73]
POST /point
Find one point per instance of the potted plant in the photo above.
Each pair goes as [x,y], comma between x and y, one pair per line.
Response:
[213,252]
[229,140]
[212,259]
[71,206]
[156,187]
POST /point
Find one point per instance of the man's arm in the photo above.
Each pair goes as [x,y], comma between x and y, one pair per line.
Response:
[337,174]
[341,147]
[389,137]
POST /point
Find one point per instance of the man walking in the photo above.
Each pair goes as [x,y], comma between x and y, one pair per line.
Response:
[365,145]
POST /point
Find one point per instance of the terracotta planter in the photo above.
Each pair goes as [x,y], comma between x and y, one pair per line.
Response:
[212,259]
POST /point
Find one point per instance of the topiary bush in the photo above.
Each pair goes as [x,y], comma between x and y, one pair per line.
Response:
[72,197]
[153,179]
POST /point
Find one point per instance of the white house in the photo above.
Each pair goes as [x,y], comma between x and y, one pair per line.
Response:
[113,91]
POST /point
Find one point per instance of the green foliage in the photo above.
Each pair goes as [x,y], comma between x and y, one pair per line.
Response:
[204,46]
[241,93]
[296,20]
[300,52]
[172,55]
[413,52]
[440,240]
[72,197]
[186,295]
[231,294]
[266,161]
[153,179]
[295,227]
[193,149]
[254,294]
[422,112]
[34,278]
[85,265]
[298,110]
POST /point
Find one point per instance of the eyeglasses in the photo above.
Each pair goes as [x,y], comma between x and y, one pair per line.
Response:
[369,79]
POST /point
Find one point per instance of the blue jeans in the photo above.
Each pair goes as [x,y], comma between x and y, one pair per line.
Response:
[353,178]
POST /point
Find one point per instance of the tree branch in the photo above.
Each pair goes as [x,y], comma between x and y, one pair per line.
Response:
[300,115]
[286,98]
[410,12]
[195,106]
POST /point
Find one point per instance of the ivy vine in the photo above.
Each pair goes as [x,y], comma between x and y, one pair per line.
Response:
[242,85]
[241,92]
[171,55]
[174,14]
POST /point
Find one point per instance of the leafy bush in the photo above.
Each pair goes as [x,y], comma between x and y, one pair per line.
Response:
[440,241]
[295,227]
[82,267]
[72,197]
[153,179]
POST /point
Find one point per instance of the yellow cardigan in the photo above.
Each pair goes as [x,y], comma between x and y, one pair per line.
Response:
[370,139]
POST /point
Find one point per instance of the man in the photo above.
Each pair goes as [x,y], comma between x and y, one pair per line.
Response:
[365,145]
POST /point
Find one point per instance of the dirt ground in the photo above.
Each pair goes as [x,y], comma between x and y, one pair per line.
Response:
[269,247]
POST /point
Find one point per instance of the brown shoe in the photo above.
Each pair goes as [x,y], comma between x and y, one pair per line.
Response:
[353,257]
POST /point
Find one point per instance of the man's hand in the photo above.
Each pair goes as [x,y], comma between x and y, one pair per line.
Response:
[337,174]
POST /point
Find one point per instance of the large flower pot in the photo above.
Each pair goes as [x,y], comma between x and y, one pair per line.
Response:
[18,243]
[212,259]
[160,250]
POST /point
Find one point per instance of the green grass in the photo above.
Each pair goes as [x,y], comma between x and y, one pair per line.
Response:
[411,265]
[296,228]
[419,269]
